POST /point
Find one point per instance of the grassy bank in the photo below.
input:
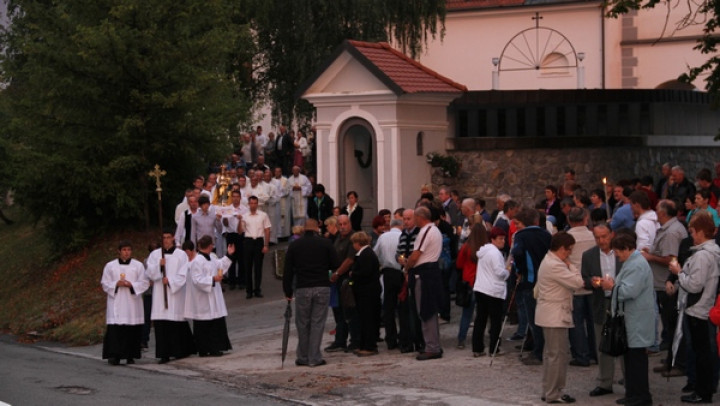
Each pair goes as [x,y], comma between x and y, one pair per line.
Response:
[43,297]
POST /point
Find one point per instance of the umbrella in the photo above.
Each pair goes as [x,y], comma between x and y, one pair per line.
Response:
[677,337]
[286,331]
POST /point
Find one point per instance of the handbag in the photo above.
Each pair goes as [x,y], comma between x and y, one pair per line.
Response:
[347,296]
[463,293]
[613,340]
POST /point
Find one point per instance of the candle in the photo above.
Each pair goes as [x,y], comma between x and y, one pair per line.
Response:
[220,272]
[607,204]
[122,276]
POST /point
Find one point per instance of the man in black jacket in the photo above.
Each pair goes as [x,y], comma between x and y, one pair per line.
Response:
[308,260]
[320,206]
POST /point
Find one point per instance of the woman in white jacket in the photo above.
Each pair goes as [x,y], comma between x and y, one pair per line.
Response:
[490,291]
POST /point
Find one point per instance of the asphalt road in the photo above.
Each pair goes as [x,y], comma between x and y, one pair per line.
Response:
[30,375]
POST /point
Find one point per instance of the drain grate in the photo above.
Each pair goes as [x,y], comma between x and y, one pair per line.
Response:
[75,390]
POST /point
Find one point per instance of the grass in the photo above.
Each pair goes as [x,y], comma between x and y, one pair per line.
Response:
[43,297]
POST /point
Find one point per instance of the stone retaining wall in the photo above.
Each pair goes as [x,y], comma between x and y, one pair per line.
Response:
[523,173]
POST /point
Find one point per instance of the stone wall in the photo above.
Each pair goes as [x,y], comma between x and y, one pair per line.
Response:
[523,173]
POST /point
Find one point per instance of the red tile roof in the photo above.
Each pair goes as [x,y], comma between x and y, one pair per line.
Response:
[407,75]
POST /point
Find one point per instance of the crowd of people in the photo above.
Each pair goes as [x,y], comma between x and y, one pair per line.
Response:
[646,249]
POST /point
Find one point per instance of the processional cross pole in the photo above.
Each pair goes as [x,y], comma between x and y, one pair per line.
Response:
[157,173]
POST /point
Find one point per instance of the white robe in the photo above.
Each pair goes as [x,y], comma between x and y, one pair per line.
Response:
[124,307]
[283,229]
[298,198]
[203,300]
[273,210]
[176,268]
[260,191]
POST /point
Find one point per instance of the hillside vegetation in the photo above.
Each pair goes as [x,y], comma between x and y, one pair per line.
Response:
[46,297]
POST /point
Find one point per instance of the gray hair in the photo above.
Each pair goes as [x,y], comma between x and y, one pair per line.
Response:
[504,197]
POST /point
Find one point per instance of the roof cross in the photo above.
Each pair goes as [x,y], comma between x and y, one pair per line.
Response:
[537,19]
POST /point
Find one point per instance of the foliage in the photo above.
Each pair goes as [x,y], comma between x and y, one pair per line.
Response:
[704,12]
[102,90]
[448,163]
[297,36]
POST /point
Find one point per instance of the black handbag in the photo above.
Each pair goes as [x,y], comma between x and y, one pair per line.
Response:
[613,340]
[347,296]
[463,293]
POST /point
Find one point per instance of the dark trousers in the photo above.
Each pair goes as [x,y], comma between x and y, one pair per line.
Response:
[637,388]
[392,280]
[668,314]
[703,362]
[410,332]
[147,307]
[582,336]
[445,308]
[252,253]
[487,307]
[236,276]
[368,321]
[529,304]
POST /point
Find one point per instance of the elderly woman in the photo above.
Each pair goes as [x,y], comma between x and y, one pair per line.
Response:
[698,285]
[365,276]
[633,293]
[467,264]
[557,280]
[490,287]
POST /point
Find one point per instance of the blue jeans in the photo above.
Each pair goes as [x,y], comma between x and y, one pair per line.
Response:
[466,319]
[528,308]
[519,306]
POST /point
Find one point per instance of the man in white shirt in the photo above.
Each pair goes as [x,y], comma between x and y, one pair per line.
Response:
[256,226]
[425,278]
[182,206]
[386,248]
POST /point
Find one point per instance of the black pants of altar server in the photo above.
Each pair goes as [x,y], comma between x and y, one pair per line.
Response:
[253,257]
[211,336]
[122,341]
[173,339]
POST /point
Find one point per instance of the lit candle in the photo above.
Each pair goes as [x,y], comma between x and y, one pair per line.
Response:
[122,276]
[220,272]
[607,204]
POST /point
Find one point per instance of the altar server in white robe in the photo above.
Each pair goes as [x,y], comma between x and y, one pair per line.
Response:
[273,205]
[173,337]
[124,282]
[204,303]
[283,194]
[299,189]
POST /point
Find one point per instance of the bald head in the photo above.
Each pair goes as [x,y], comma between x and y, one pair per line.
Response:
[408,218]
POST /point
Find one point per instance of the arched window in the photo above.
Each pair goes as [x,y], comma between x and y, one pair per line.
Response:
[554,64]
[419,144]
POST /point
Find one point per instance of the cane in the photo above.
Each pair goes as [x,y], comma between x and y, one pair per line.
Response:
[502,328]
[527,331]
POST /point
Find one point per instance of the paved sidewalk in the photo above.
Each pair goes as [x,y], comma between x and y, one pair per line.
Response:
[390,378]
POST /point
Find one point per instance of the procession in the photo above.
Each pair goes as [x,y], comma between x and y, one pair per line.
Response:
[560,270]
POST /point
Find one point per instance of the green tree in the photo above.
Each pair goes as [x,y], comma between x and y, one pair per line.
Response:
[99,91]
[297,36]
[704,12]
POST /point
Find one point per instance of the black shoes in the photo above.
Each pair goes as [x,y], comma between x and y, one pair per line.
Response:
[164,360]
[563,399]
[335,348]
[578,363]
[600,392]
[695,398]
[113,361]
[428,355]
